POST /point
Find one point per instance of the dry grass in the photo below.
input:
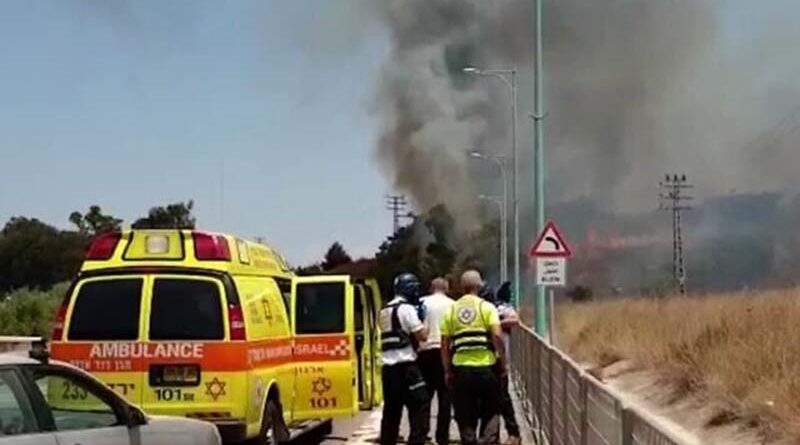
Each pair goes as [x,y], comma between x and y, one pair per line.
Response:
[742,351]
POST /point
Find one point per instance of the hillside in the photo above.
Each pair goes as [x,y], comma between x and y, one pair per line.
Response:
[738,353]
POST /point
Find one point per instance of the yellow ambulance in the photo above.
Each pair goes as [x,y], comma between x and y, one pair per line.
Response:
[211,326]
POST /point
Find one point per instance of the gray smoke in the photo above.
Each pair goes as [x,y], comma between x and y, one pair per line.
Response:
[433,114]
[635,88]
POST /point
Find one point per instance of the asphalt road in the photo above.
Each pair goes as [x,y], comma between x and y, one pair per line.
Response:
[364,428]
[361,429]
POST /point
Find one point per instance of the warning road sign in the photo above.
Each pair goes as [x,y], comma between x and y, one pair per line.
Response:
[550,243]
[551,271]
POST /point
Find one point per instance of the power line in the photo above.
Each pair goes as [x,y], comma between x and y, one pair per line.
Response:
[673,199]
[397,205]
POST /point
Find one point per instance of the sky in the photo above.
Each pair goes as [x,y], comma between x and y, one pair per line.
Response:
[248,108]
[259,111]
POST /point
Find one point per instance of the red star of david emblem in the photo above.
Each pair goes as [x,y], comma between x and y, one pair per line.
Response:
[321,385]
[215,388]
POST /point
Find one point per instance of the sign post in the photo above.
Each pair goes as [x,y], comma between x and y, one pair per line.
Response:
[551,252]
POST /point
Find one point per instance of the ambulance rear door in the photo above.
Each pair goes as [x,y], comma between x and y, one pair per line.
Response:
[101,333]
[324,348]
[374,294]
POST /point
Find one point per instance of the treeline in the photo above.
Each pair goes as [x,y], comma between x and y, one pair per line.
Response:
[36,256]
[430,246]
[38,260]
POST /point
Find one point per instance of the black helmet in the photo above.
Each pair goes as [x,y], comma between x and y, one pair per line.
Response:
[486,293]
[408,286]
[504,292]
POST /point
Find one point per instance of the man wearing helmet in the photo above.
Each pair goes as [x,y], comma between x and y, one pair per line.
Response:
[403,384]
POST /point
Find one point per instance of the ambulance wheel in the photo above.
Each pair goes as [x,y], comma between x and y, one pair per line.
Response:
[273,428]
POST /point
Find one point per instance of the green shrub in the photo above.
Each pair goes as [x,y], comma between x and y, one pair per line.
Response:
[30,312]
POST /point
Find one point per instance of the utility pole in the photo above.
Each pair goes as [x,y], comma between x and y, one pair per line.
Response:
[672,199]
[540,310]
[397,205]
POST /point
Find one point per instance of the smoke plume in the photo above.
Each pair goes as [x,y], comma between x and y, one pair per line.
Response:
[634,89]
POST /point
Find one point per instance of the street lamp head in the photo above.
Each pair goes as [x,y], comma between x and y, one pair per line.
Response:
[471,70]
[477,155]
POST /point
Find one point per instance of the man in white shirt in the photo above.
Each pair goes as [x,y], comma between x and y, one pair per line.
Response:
[403,384]
[435,307]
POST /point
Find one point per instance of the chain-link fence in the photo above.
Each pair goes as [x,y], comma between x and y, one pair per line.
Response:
[567,406]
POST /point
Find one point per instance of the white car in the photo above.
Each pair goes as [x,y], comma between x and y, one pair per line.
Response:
[45,402]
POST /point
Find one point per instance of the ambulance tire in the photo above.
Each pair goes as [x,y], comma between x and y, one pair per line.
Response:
[272,422]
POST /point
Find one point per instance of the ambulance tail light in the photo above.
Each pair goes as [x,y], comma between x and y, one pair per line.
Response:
[103,246]
[58,326]
[236,323]
[208,247]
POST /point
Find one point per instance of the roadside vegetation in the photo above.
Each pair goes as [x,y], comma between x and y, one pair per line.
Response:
[30,312]
[738,352]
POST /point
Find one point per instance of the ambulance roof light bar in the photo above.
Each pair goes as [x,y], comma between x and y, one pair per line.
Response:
[103,246]
[211,247]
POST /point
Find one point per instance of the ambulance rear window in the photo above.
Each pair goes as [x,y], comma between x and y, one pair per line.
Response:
[107,310]
[320,308]
[186,310]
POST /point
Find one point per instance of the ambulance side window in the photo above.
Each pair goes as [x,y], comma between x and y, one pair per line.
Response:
[252,294]
[320,308]
[286,296]
[370,307]
[359,308]
[277,318]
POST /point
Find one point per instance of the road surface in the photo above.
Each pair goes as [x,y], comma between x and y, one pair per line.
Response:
[364,429]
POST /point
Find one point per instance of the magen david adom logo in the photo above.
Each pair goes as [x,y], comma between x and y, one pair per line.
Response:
[466,315]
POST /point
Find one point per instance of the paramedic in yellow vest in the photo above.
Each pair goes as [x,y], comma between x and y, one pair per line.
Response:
[474,362]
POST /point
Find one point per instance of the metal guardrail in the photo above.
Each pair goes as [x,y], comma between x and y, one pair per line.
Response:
[567,406]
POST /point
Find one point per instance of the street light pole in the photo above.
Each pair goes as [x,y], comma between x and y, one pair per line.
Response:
[515,196]
[538,140]
[500,161]
[502,206]
[511,83]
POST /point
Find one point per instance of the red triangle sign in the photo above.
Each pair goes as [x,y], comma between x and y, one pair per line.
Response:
[550,244]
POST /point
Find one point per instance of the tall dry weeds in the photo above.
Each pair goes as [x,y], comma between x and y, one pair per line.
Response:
[741,351]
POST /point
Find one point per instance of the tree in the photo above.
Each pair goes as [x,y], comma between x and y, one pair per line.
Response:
[313,269]
[430,247]
[440,257]
[173,216]
[36,255]
[336,256]
[94,222]
[399,253]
